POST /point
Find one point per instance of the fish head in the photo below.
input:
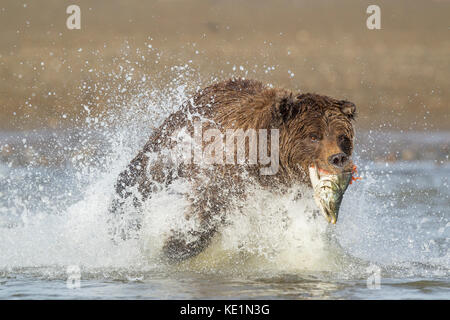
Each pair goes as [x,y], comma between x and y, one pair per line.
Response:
[329,189]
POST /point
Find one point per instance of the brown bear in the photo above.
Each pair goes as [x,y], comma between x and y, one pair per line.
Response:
[297,130]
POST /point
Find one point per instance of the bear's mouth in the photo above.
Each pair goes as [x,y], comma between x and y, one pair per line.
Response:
[329,189]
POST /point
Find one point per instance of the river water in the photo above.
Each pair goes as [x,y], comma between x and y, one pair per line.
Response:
[391,240]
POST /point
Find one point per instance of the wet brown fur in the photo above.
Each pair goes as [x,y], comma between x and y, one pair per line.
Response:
[312,128]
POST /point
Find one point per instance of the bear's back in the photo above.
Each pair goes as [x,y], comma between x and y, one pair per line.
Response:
[235,103]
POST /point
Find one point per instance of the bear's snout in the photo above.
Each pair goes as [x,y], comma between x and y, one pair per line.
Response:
[338,160]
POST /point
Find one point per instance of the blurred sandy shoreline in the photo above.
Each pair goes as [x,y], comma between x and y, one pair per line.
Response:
[398,76]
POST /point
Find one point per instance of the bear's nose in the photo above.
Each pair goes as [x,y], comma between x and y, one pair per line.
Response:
[338,160]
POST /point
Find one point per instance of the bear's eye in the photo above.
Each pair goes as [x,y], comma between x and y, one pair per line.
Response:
[345,143]
[314,137]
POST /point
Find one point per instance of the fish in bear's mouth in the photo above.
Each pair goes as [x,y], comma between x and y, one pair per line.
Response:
[329,189]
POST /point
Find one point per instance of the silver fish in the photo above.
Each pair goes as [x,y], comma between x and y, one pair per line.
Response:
[329,190]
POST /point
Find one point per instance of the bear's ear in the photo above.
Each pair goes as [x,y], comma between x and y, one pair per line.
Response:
[348,108]
[284,109]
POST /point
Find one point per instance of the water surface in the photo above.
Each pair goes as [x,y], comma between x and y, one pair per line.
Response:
[55,188]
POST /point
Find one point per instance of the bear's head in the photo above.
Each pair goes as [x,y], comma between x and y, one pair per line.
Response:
[315,130]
